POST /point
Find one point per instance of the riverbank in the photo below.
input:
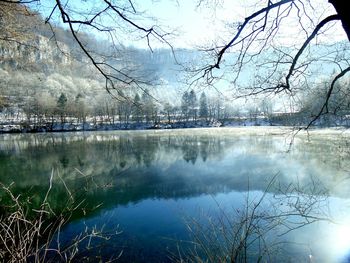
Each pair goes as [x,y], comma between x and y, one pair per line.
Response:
[90,126]
[23,127]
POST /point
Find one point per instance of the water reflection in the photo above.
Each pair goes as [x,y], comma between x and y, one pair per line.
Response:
[167,164]
[146,180]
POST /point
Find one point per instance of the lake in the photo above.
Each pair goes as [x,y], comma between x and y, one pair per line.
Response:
[159,196]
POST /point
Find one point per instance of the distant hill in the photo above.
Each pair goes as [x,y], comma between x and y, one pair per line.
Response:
[37,58]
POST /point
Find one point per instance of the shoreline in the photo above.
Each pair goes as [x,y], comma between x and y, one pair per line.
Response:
[277,128]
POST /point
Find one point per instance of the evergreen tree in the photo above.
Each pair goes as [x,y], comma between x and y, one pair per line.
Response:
[62,101]
[137,109]
[185,104]
[61,106]
[192,99]
[203,106]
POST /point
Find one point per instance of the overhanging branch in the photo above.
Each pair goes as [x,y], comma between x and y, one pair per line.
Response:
[266,10]
[324,108]
[306,43]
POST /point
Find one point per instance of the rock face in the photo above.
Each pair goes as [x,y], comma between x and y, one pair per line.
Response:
[40,54]
[28,43]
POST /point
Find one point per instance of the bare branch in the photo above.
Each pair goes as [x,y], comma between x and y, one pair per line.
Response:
[306,43]
[244,25]
[324,108]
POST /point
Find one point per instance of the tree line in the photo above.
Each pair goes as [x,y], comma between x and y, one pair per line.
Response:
[128,110]
[44,110]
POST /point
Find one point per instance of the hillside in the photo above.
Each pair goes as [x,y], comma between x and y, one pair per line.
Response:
[44,53]
[38,61]
[47,81]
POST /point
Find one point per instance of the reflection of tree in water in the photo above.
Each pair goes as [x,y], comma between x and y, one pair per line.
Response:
[94,153]
[126,151]
[205,147]
[214,147]
[107,157]
[64,161]
[130,168]
[190,149]
[104,157]
[144,149]
[317,148]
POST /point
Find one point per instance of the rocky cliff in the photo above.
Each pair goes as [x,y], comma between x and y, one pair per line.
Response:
[41,54]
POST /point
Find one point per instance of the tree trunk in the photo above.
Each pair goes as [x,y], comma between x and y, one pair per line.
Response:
[341,6]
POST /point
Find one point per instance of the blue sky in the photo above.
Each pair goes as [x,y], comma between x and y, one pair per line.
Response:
[192,25]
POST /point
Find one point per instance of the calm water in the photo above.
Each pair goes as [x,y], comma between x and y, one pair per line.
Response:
[150,186]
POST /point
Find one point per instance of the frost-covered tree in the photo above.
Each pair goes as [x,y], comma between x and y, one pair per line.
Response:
[168,109]
[149,107]
[81,109]
[281,45]
[185,105]
[61,106]
[203,106]
[62,101]
[137,109]
[3,103]
[266,107]
[193,104]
